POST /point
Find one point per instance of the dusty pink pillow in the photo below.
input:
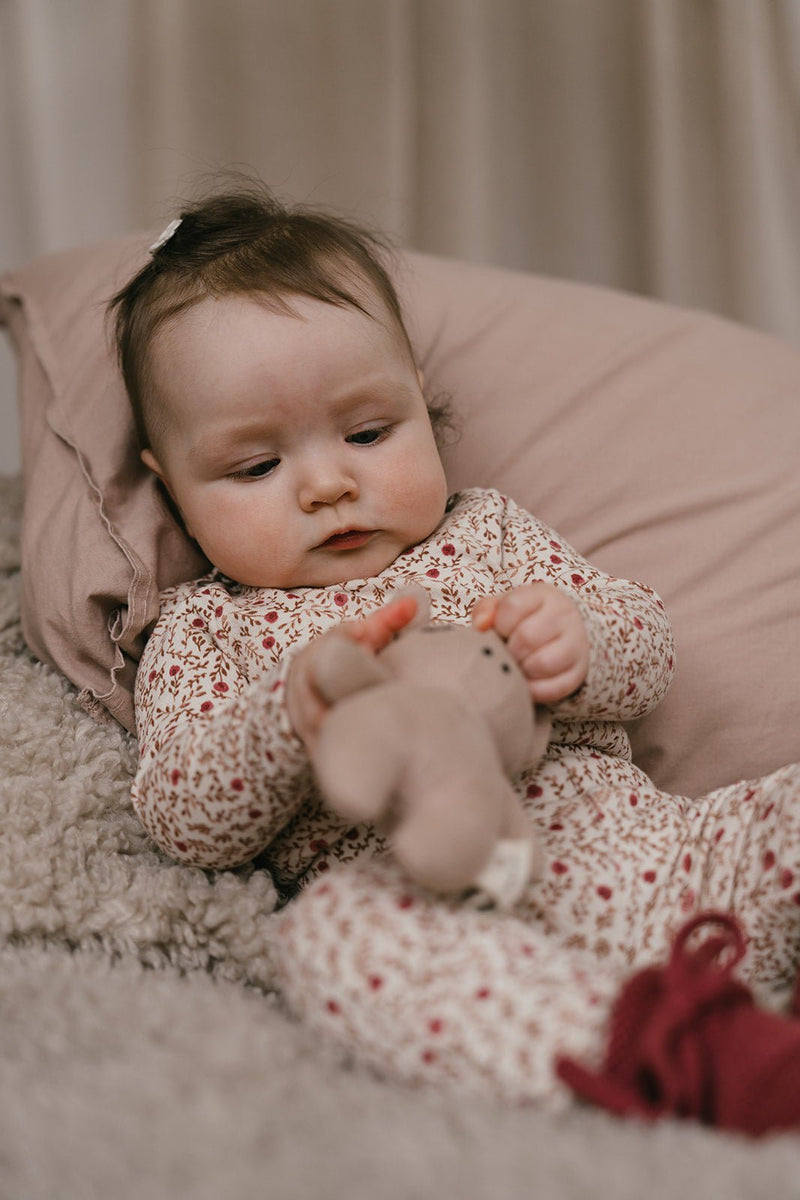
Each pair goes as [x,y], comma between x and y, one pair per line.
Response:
[663,443]
[96,534]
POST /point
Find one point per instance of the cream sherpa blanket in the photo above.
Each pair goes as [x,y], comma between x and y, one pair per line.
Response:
[143,1054]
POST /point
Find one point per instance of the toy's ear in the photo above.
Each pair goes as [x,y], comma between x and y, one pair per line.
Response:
[342,667]
[542,728]
[423,614]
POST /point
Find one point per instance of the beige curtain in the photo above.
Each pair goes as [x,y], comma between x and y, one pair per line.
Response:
[652,145]
[722,200]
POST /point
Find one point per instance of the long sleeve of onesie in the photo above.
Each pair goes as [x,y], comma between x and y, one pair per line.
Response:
[630,639]
[221,770]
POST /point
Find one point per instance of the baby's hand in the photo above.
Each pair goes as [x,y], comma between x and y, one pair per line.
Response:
[307,709]
[546,635]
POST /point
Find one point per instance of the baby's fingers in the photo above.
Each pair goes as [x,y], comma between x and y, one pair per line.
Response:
[519,606]
[484,612]
[556,688]
[549,659]
[558,668]
[539,631]
[378,629]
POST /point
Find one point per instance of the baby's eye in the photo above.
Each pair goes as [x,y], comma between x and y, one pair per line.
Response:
[368,437]
[258,470]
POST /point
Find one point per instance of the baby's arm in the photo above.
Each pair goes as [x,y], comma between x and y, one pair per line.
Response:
[621,645]
[221,768]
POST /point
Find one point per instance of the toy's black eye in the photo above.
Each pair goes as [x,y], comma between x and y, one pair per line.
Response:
[506,668]
[488,651]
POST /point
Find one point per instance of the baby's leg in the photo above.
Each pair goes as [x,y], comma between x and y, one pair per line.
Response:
[748,842]
[625,868]
[428,991]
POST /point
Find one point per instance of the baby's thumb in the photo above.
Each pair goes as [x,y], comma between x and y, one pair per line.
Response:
[483,613]
[380,627]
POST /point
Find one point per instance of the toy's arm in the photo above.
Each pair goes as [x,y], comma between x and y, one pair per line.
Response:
[348,651]
[220,770]
[342,667]
[631,659]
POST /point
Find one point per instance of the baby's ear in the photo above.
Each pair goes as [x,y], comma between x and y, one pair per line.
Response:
[151,462]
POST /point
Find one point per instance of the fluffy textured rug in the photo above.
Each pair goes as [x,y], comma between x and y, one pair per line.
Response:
[143,1052]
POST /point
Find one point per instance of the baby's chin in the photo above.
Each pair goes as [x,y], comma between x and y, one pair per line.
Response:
[334,569]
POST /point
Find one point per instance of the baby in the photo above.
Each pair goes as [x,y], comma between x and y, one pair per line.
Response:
[277,397]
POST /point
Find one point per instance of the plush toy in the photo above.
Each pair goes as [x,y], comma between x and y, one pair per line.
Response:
[422,741]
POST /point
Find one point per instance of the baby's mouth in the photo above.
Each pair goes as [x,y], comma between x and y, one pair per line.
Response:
[349,539]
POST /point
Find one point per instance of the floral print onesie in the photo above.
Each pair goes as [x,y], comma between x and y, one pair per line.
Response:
[424,988]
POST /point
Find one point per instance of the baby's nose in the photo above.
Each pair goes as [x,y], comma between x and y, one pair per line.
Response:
[327,485]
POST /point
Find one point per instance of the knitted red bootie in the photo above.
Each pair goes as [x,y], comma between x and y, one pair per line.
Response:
[688,1040]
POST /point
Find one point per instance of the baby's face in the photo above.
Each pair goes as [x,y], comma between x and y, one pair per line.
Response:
[298,446]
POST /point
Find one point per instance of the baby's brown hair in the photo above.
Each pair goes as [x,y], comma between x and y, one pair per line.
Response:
[246,242]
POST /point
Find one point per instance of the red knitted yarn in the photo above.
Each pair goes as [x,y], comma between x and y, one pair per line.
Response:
[687,1040]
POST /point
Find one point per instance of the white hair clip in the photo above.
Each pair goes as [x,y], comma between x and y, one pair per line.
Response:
[165,236]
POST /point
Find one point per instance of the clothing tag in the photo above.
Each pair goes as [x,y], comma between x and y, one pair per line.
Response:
[502,881]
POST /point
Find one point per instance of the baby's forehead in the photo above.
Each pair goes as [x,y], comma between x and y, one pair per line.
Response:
[357,295]
[238,343]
